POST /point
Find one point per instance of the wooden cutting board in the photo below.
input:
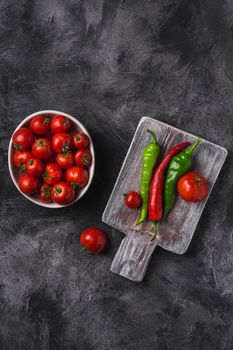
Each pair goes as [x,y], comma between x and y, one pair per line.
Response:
[176,232]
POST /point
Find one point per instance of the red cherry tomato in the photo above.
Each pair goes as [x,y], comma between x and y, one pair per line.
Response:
[40,124]
[59,124]
[80,140]
[61,142]
[29,184]
[83,157]
[42,149]
[35,167]
[23,139]
[52,174]
[77,176]
[132,199]
[192,187]
[45,193]
[93,239]
[65,159]
[20,159]
[63,193]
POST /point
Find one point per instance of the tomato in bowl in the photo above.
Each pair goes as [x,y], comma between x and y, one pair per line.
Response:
[50,141]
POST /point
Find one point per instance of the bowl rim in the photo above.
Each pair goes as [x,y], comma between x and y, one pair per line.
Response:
[79,125]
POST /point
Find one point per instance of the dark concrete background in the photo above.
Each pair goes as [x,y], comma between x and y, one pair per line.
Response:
[110,62]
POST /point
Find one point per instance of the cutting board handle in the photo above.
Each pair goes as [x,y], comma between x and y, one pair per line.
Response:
[133,256]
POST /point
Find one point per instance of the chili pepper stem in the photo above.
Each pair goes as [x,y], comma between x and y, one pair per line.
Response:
[153,136]
[140,221]
[155,229]
[191,149]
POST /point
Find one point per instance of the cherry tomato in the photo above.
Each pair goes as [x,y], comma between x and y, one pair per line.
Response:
[42,149]
[63,193]
[59,124]
[192,187]
[20,159]
[40,124]
[29,184]
[83,157]
[93,239]
[52,173]
[35,167]
[61,142]
[45,193]
[80,140]
[65,159]
[77,176]
[23,139]
[132,199]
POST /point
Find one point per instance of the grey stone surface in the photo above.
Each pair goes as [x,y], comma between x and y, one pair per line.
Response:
[110,62]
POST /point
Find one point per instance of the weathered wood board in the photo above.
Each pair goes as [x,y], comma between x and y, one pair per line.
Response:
[177,231]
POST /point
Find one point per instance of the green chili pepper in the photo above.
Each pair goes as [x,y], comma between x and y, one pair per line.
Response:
[179,165]
[150,156]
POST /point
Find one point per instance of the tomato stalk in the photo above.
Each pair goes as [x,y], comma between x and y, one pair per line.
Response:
[17,147]
[86,159]
[75,185]
[153,234]
[47,192]
[22,167]
[45,175]
[58,190]
[65,147]
[66,122]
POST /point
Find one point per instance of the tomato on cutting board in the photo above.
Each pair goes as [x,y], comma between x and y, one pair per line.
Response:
[132,199]
[192,187]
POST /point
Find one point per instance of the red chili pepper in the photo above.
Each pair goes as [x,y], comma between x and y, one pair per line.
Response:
[156,187]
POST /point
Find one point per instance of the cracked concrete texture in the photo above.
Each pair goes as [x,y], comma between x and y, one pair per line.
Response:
[109,63]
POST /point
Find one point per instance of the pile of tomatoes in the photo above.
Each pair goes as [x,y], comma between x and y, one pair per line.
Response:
[52,159]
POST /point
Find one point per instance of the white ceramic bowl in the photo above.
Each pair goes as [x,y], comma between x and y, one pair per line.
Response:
[14,172]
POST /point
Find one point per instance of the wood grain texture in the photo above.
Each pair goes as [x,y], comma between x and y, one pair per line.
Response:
[177,231]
